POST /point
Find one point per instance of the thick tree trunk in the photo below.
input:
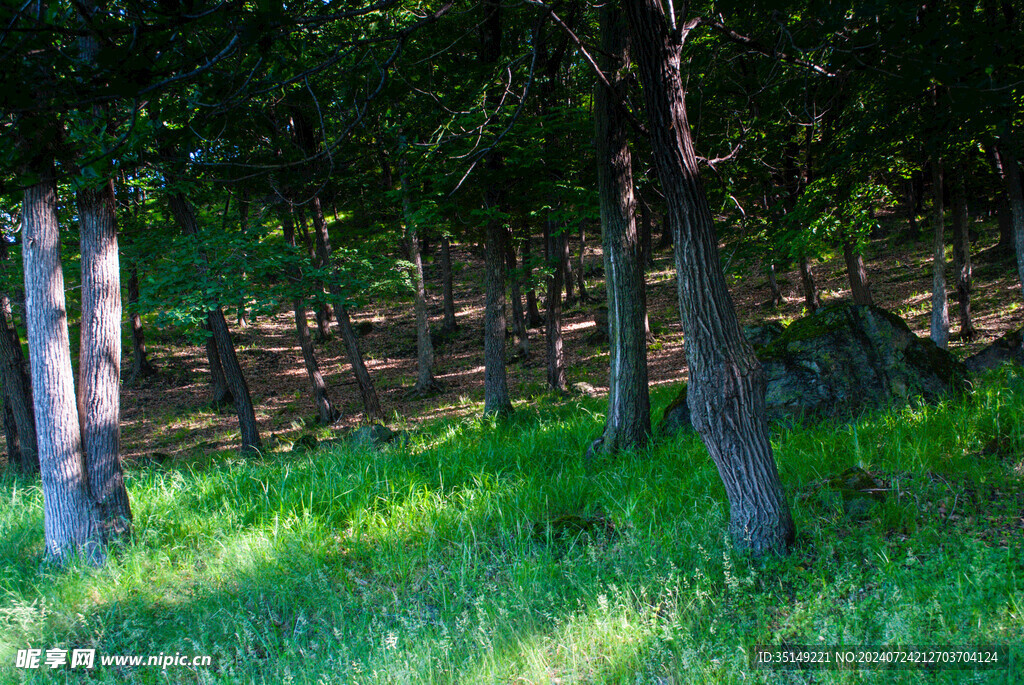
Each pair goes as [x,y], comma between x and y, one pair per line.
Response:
[325,409]
[518,315]
[533,316]
[727,384]
[629,406]
[856,273]
[555,240]
[371,403]
[71,519]
[962,255]
[220,347]
[940,315]
[141,366]
[99,377]
[449,324]
[425,382]
[811,299]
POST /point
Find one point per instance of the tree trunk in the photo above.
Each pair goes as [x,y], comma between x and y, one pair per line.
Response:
[940,315]
[14,456]
[567,274]
[1005,244]
[99,372]
[71,519]
[324,313]
[1011,168]
[581,281]
[425,382]
[325,409]
[141,366]
[218,381]
[518,315]
[554,239]
[629,406]
[856,273]
[371,403]
[811,299]
[16,383]
[773,285]
[496,397]
[450,324]
[646,231]
[962,255]
[533,317]
[726,393]
[220,347]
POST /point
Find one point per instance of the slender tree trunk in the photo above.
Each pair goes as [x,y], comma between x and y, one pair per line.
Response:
[324,313]
[940,315]
[962,254]
[141,366]
[450,323]
[71,519]
[811,299]
[856,273]
[425,382]
[726,393]
[646,233]
[629,405]
[533,317]
[773,285]
[242,315]
[1011,168]
[553,325]
[325,409]
[581,281]
[371,403]
[16,383]
[518,315]
[1005,245]
[14,456]
[567,274]
[496,396]
[220,346]
[99,379]
[218,381]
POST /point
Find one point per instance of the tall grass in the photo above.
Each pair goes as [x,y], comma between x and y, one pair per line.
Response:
[490,552]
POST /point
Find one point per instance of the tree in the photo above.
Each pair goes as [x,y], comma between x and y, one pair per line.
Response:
[727,384]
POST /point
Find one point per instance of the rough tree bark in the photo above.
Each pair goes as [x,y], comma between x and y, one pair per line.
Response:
[727,383]
[325,408]
[99,367]
[856,273]
[629,406]
[220,347]
[962,254]
[17,385]
[940,315]
[425,382]
[496,397]
[71,519]
[810,288]
[555,240]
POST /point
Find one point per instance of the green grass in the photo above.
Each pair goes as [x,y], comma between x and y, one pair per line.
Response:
[442,561]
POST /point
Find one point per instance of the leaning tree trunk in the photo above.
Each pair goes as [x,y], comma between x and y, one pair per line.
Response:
[71,519]
[856,273]
[962,255]
[629,405]
[325,409]
[726,394]
[425,382]
[220,347]
[99,373]
[811,298]
[141,366]
[555,239]
[17,385]
[940,315]
[449,323]
[371,403]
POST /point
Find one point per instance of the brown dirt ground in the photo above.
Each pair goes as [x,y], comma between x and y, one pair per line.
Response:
[166,417]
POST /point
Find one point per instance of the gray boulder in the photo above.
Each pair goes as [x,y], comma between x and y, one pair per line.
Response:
[841,360]
[1009,348]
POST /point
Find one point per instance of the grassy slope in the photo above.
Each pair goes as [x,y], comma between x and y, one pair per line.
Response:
[450,560]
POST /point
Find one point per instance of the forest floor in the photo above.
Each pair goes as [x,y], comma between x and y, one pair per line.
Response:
[169,417]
